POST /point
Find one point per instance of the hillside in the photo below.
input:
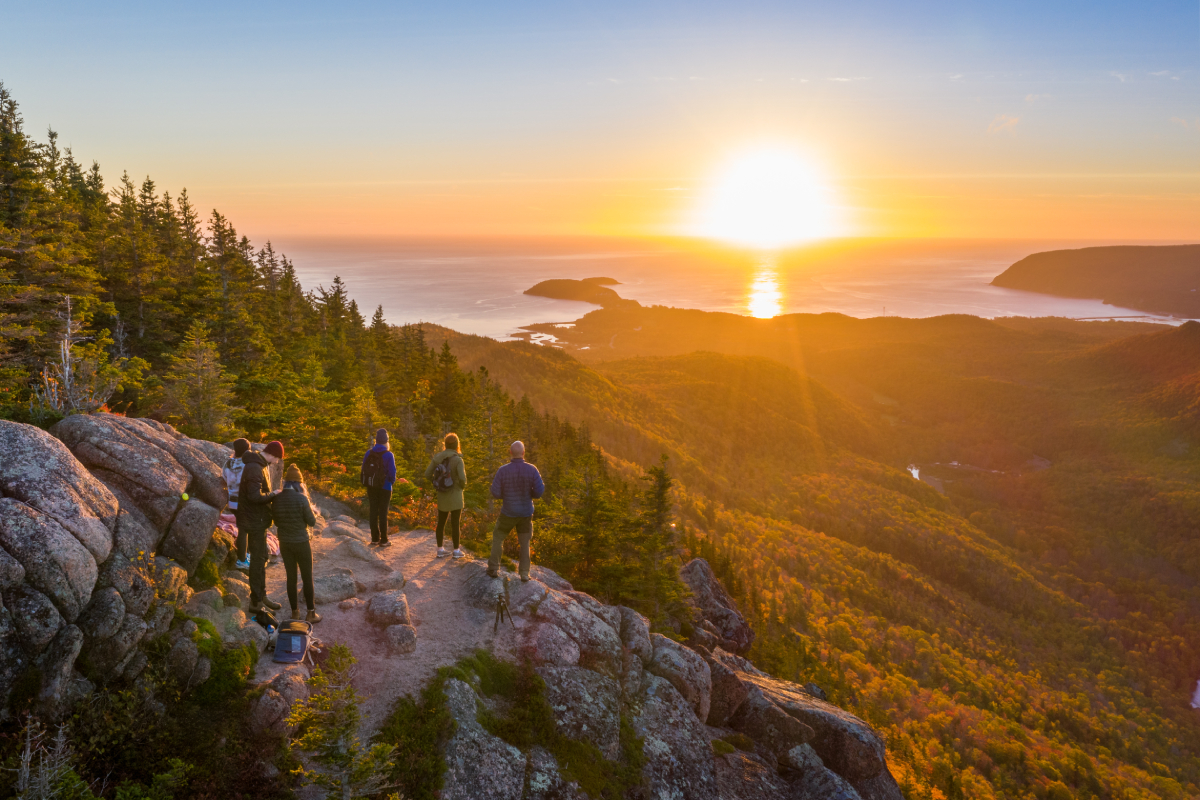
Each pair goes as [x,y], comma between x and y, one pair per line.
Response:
[1162,279]
[1025,589]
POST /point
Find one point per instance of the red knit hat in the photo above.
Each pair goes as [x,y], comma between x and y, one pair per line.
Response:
[274,449]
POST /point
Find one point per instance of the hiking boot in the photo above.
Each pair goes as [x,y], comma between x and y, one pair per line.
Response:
[385,544]
[441,552]
[458,553]
[243,565]
[312,616]
[271,604]
[296,613]
[374,543]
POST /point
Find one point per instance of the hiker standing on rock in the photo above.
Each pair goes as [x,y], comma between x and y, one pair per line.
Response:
[293,519]
[518,483]
[232,473]
[448,474]
[254,500]
[378,475]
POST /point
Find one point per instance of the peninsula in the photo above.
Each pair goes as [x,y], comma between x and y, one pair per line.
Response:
[1157,279]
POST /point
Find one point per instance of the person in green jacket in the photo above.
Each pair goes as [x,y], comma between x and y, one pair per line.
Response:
[293,520]
[450,500]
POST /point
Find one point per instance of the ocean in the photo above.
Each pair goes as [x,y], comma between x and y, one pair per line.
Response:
[476,285]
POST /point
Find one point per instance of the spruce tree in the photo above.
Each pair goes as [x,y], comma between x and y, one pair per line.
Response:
[196,393]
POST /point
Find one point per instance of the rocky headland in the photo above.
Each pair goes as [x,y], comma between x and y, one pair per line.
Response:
[107,523]
[588,290]
[1162,279]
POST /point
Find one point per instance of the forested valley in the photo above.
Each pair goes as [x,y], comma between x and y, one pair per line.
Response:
[1019,624]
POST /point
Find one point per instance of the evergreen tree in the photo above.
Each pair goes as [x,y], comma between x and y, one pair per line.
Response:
[327,735]
[658,587]
[196,394]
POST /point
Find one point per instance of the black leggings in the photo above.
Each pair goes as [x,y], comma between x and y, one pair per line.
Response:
[453,515]
[298,555]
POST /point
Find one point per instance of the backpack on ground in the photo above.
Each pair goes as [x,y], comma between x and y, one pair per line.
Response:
[291,643]
[372,470]
[443,476]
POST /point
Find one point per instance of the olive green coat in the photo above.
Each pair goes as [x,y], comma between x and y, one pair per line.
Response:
[451,499]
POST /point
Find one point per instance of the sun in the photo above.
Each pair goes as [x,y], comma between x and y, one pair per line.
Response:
[767,198]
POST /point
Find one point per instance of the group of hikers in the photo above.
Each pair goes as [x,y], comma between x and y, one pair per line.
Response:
[256,506]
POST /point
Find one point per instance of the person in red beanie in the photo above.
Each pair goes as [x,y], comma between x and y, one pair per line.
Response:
[254,501]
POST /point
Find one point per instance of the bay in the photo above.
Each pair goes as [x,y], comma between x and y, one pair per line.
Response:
[476,285]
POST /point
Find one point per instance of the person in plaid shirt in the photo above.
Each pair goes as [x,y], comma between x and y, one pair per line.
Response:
[517,484]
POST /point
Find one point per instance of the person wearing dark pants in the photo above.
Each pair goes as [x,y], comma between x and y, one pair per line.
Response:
[517,484]
[453,517]
[254,501]
[378,475]
[448,474]
[294,519]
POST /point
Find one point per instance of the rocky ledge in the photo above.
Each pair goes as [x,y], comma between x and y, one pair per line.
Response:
[98,543]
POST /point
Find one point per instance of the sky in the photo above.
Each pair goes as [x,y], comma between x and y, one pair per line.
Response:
[370,119]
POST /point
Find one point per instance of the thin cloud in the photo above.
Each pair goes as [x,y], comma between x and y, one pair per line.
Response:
[1036,98]
[1003,123]
[1122,77]
[849,80]
[1187,126]
[957,77]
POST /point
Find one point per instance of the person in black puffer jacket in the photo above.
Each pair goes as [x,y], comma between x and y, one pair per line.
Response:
[254,501]
[293,518]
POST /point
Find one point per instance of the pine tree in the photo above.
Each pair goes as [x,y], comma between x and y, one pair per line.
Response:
[197,394]
[659,589]
[327,735]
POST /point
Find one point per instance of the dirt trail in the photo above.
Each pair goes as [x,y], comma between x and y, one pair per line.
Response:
[447,628]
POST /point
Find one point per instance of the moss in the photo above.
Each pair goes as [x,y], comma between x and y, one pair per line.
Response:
[206,576]
[740,740]
[722,747]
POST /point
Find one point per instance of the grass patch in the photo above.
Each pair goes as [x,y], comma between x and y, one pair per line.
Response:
[722,747]
[739,740]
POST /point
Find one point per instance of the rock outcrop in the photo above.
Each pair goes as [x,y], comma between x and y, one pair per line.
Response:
[96,546]
[719,615]
[602,667]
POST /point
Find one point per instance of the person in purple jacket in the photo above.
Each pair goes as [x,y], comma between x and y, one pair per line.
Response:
[517,484]
[379,475]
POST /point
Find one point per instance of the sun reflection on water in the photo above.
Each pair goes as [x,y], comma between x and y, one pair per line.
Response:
[765,300]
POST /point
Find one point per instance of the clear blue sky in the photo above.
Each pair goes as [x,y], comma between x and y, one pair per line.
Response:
[410,118]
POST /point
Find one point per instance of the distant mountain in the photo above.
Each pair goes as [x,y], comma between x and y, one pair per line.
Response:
[1161,280]
[588,290]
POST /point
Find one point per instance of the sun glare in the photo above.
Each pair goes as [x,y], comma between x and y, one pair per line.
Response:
[766,198]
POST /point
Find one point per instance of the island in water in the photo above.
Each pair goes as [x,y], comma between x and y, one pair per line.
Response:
[588,290]
[1159,279]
